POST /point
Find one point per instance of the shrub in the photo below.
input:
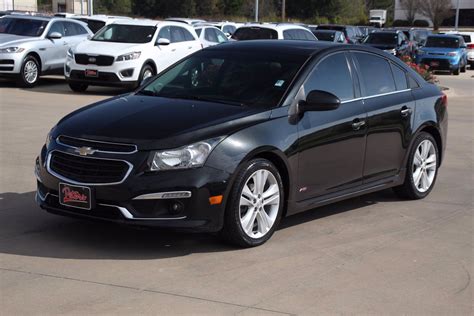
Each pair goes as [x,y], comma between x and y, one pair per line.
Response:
[401,23]
[423,70]
[421,23]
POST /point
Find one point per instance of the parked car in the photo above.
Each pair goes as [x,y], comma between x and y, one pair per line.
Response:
[330,36]
[444,52]
[238,135]
[228,28]
[186,20]
[392,42]
[273,31]
[352,34]
[210,35]
[469,41]
[96,22]
[32,46]
[127,52]
[366,30]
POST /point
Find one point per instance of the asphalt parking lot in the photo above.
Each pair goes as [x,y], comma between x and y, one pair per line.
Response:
[374,254]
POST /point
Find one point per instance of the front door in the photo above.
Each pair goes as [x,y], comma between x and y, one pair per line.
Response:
[331,143]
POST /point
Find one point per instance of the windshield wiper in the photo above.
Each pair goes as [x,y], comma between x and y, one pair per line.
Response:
[201,98]
[147,92]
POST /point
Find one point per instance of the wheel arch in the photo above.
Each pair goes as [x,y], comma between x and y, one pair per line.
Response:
[38,58]
[151,63]
[430,128]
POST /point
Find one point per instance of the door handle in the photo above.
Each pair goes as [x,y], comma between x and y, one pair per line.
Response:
[357,124]
[189,47]
[173,50]
[405,111]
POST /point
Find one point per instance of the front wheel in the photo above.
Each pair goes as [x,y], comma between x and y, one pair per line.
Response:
[422,168]
[463,69]
[29,72]
[147,72]
[78,87]
[255,204]
[456,72]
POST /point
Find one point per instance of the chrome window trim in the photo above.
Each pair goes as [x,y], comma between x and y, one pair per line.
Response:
[96,150]
[161,195]
[70,181]
[377,95]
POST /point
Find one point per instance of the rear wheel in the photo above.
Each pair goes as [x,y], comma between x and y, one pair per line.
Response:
[422,168]
[255,204]
[78,87]
[29,72]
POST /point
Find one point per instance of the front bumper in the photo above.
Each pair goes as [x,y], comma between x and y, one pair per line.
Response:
[129,202]
[120,74]
[443,63]
[10,64]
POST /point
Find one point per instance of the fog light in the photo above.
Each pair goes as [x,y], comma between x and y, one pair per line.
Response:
[127,72]
[176,207]
[213,200]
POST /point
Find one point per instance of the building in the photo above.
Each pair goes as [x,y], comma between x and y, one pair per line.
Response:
[18,5]
[466,13]
[70,6]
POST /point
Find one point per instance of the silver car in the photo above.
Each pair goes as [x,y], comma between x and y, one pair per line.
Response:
[31,46]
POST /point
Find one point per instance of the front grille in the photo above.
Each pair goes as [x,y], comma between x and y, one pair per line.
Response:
[97,145]
[88,170]
[443,63]
[102,77]
[7,62]
[101,60]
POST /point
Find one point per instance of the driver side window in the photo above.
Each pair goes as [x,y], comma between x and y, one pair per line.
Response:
[57,27]
[164,33]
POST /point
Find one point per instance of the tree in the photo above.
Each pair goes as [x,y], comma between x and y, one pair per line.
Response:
[436,11]
[411,8]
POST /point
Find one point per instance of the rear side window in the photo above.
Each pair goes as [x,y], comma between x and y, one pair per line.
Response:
[72,29]
[375,72]
[332,75]
[254,33]
[229,29]
[210,35]
[412,83]
[400,78]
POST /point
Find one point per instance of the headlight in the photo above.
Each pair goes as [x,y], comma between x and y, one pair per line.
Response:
[129,56]
[11,50]
[48,139]
[191,156]
[70,53]
[452,53]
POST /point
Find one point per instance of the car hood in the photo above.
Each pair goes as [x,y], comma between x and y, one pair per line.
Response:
[106,48]
[382,46]
[7,40]
[155,122]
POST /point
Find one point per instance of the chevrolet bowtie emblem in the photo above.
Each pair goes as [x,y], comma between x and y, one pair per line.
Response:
[84,151]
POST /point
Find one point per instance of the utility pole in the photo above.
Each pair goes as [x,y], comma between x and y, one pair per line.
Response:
[82,7]
[256,10]
[283,10]
[90,7]
[457,17]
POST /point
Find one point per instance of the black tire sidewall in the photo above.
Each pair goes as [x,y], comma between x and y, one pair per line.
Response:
[142,72]
[233,207]
[78,87]
[409,177]
[22,79]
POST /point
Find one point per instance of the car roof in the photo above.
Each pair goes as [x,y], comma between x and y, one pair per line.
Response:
[33,17]
[444,35]
[327,31]
[275,26]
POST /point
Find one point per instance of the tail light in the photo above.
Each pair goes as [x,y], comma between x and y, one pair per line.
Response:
[444,100]
[470,46]
[347,40]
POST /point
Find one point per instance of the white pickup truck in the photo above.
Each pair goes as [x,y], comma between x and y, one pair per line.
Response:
[378,17]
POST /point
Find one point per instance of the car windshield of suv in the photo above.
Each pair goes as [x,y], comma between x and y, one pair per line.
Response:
[236,78]
[254,33]
[325,36]
[22,27]
[94,25]
[382,38]
[123,33]
[445,42]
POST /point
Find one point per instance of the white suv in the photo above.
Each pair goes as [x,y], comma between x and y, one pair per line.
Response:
[97,21]
[126,52]
[282,31]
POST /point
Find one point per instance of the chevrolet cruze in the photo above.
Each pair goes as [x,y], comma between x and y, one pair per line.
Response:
[234,137]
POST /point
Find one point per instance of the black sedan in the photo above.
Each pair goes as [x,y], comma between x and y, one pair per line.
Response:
[392,42]
[234,137]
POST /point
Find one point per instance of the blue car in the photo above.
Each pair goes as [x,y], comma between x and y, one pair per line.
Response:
[444,53]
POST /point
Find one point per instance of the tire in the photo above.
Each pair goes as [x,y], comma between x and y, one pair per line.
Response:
[463,69]
[78,87]
[147,71]
[244,223]
[456,72]
[414,187]
[29,72]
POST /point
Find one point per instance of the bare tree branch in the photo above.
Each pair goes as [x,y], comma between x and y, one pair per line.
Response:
[436,10]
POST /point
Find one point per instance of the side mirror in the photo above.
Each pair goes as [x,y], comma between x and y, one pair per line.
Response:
[55,35]
[318,100]
[163,41]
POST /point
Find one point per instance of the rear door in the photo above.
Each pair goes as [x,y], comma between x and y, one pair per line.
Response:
[331,144]
[390,104]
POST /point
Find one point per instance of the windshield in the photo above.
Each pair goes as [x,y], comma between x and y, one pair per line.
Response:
[445,42]
[120,33]
[22,27]
[94,25]
[382,38]
[254,33]
[236,78]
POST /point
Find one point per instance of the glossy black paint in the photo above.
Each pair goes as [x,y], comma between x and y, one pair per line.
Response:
[322,156]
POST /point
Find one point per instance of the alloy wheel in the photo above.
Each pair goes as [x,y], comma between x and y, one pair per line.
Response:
[424,166]
[30,71]
[259,203]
